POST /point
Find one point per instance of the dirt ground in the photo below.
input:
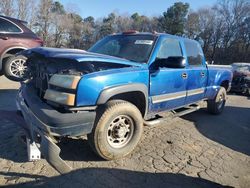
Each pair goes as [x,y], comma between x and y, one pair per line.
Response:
[197,150]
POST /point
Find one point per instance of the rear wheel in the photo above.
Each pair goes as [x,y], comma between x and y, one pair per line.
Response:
[216,105]
[15,68]
[117,131]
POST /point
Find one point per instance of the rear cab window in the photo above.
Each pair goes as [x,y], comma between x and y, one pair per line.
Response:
[8,27]
[194,53]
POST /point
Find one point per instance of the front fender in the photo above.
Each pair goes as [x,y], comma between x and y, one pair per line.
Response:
[106,94]
[97,88]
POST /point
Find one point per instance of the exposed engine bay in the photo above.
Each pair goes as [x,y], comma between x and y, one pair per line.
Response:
[41,69]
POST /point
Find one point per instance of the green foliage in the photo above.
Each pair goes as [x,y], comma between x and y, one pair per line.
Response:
[58,8]
[173,21]
[107,27]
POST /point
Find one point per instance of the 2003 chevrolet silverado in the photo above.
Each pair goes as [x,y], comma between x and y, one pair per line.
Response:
[110,91]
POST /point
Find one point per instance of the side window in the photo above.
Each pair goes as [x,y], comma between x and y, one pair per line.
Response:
[194,53]
[6,26]
[169,47]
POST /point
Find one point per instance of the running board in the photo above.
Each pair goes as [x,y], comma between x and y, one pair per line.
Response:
[190,109]
[174,114]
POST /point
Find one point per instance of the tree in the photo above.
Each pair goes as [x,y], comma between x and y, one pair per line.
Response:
[107,26]
[32,17]
[7,7]
[234,15]
[44,20]
[223,30]
[60,24]
[173,21]
[88,32]
[90,20]
[23,7]
[123,23]
[192,25]
[75,31]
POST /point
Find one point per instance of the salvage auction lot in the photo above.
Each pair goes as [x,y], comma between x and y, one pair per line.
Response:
[197,150]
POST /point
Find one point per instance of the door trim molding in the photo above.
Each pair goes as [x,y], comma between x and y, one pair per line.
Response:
[195,91]
[176,95]
[168,97]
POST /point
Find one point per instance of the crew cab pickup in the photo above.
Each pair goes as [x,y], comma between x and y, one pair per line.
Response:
[109,92]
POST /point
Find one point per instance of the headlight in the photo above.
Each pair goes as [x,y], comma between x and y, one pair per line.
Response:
[60,97]
[64,81]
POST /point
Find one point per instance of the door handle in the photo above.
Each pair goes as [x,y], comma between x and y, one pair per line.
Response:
[202,74]
[4,38]
[184,75]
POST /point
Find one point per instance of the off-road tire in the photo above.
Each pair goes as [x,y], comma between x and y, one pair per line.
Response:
[98,139]
[216,105]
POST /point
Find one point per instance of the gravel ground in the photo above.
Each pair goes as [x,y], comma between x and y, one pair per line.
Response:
[197,150]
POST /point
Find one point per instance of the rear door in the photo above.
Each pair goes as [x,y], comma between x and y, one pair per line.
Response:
[9,36]
[3,36]
[168,85]
[196,72]
[9,33]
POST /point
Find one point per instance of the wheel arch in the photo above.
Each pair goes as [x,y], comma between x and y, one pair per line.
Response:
[135,93]
[225,84]
[10,51]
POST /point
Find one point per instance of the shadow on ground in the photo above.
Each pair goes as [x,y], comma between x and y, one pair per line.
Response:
[8,99]
[231,128]
[103,177]
[77,150]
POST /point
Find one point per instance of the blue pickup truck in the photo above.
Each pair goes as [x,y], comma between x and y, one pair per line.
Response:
[109,92]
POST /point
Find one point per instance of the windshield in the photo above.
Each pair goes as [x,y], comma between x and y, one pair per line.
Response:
[131,47]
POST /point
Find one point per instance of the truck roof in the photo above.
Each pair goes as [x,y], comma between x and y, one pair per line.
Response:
[133,32]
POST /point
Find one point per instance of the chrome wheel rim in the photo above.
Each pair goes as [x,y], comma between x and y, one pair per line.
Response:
[120,131]
[18,68]
[221,101]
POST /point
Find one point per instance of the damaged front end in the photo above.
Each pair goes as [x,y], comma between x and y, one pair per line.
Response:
[47,100]
[241,84]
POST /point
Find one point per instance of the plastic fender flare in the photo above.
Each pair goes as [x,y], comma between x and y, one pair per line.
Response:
[106,94]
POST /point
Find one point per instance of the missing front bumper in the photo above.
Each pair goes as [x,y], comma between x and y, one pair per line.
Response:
[47,147]
[43,135]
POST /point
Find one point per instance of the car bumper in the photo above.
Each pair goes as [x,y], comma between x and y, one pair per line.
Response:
[42,116]
[44,123]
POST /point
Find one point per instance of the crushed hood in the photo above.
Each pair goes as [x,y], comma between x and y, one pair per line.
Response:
[78,55]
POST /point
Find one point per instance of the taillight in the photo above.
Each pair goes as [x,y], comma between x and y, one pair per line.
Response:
[129,32]
[40,41]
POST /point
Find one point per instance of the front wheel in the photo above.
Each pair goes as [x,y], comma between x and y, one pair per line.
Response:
[15,68]
[216,105]
[117,130]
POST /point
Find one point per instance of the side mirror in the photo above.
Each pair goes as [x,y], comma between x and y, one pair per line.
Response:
[171,62]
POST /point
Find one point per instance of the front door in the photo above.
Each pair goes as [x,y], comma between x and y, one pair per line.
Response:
[168,85]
